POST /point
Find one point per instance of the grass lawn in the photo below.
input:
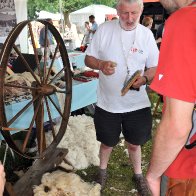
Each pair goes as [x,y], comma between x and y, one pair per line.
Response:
[119,169]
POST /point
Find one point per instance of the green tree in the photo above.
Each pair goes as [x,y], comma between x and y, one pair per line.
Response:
[110,3]
[34,6]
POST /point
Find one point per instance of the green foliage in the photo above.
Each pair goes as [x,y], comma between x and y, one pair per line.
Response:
[73,5]
[110,3]
[35,6]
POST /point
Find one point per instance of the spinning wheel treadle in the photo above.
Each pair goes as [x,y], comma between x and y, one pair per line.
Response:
[42,91]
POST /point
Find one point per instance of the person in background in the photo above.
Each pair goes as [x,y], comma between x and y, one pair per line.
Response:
[71,36]
[93,27]
[120,48]
[147,22]
[86,39]
[160,30]
[159,33]
[50,40]
[175,79]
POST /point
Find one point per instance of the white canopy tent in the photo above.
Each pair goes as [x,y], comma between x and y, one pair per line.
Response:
[44,14]
[21,15]
[99,11]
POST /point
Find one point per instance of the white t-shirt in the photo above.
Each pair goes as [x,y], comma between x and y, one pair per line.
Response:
[132,50]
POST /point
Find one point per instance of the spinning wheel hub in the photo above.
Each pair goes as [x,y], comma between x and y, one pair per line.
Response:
[46,89]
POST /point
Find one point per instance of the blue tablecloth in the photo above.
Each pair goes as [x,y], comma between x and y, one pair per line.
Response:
[83,94]
[76,60]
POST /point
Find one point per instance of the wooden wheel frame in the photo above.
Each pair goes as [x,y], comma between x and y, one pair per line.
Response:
[42,89]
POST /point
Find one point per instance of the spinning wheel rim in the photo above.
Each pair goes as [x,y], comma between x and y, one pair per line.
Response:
[7,47]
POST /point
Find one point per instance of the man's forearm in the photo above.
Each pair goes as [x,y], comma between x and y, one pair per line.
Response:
[165,149]
[171,135]
[92,62]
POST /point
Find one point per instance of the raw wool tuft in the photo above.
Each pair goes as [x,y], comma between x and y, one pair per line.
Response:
[25,76]
[66,166]
[80,140]
[17,79]
[59,183]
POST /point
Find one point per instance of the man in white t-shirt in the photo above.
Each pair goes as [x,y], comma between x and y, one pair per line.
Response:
[119,48]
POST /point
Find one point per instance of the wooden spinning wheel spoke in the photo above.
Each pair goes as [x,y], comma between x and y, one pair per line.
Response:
[59,111]
[40,128]
[57,75]
[51,65]
[34,48]
[50,117]
[46,37]
[26,64]
[59,91]
[22,111]
[18,86]
[46,44]
[12,129]
[31,125]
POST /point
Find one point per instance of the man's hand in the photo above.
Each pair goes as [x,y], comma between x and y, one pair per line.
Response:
[154,185]
[107,67]
[139,82]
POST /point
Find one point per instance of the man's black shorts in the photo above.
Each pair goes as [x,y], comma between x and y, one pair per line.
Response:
[136,126]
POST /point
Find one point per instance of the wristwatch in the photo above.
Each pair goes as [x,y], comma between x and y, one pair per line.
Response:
[146,79]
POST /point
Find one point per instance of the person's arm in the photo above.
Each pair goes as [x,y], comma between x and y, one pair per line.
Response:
[93,28]
[92,31]
[146,78]
[107,67]
[150,63]
[2,179]
[158,40]
[171,136]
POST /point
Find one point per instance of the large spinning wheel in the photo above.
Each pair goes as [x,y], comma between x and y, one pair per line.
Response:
[42,91]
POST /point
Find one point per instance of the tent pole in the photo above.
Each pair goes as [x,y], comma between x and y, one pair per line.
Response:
[62,20]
